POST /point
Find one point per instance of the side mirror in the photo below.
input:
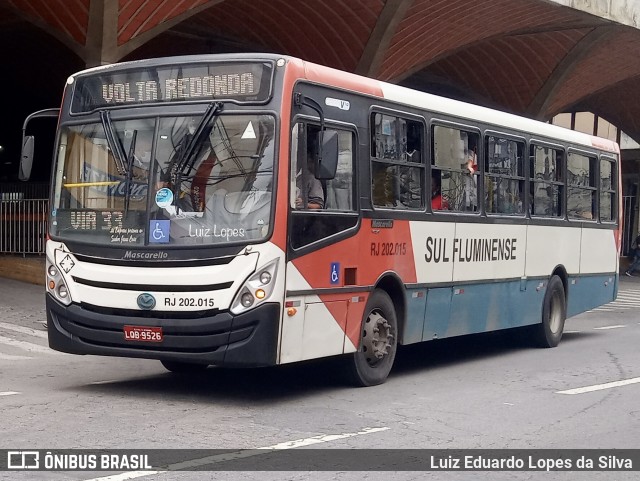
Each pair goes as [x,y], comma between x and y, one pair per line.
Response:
[327,166]
[26,158]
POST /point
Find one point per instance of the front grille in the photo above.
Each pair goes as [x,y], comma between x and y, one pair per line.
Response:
[134,313]
[153,287]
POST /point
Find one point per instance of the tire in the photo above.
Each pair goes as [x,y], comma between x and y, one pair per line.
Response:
[554,313]
[179,367]
[373,361]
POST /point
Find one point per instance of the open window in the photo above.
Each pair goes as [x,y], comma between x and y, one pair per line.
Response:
[608,187]
[581,183]
[455,168]
[321,206]
[397,167]
[546,191]
[504,175]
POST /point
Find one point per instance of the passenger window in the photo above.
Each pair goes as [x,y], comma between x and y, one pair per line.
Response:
[397,168]
[504,176]
[546,167]
[581,182]
[607,190]
[339,190]
[306,190]
[455,169]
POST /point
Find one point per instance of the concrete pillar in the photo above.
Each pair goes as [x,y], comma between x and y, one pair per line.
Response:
[102,33]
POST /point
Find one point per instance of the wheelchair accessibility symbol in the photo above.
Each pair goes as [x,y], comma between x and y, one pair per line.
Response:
[159,231]
[335,273]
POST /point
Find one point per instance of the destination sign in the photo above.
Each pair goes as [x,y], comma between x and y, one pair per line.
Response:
[110,225]
[242,82]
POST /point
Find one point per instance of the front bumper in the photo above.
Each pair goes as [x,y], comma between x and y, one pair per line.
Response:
[247,340]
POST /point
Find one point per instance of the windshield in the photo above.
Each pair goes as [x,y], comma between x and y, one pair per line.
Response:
[173,181]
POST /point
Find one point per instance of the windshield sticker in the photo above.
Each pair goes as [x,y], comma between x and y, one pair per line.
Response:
[125,235]
[164,197]
[249,133]
[159,231]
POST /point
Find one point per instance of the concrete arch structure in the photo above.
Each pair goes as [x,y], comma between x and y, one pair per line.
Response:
[531,57]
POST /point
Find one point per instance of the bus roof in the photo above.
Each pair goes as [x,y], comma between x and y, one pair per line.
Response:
[460,109]
[414,98]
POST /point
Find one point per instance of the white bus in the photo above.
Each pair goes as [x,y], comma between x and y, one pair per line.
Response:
[255,210]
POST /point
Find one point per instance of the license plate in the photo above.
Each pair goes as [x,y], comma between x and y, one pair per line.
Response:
[142,333]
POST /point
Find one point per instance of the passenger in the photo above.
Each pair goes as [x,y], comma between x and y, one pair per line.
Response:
[470,186]
[308,188]
[472,160]
[635,262]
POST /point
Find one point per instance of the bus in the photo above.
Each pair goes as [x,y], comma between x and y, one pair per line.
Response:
[255,210]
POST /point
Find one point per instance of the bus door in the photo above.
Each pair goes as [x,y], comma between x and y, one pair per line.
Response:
[322,221]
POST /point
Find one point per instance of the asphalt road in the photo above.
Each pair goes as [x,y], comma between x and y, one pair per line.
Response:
[479,392]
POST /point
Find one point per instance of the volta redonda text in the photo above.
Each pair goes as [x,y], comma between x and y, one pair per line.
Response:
[441,249]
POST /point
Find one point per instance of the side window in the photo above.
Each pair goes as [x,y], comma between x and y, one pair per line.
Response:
[504,176]
[607,190]
[454,172]
[397,168]
[581,182]
[339,190]
[311,198]
[546,166]
[307,192]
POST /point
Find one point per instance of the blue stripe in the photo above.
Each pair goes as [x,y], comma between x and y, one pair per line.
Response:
[588,292]
[467,309]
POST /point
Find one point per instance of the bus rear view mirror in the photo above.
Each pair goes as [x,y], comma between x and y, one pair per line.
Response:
[327,166]
[28,141]
[26,158]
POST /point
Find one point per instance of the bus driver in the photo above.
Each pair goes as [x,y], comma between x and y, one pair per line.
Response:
[308,187]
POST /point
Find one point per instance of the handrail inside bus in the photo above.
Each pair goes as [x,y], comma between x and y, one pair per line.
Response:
[90,184]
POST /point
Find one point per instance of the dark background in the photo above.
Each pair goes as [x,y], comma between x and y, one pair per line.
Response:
[27,86]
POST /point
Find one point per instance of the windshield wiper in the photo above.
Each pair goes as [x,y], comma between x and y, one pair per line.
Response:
[114,143]
[187,158]
[127,182]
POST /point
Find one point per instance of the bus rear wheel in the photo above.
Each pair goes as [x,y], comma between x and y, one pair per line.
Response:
[373,361]
[179,367]
[554,312]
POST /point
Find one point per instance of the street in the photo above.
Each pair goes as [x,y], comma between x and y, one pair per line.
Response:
[487,391]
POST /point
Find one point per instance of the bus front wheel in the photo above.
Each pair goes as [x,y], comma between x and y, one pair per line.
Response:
[554,312]
[373,361]
[178,367]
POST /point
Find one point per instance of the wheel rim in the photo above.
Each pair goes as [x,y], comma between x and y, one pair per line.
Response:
[555,313]
[377,338]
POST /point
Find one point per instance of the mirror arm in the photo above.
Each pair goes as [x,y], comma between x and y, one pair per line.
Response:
[40,114]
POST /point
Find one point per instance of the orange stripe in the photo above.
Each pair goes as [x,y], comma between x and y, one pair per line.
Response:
[340,79]
[371,252]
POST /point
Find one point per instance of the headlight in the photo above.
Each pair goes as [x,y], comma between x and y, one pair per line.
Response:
[56,285]
[256,289]
[265,277]
[247,299]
